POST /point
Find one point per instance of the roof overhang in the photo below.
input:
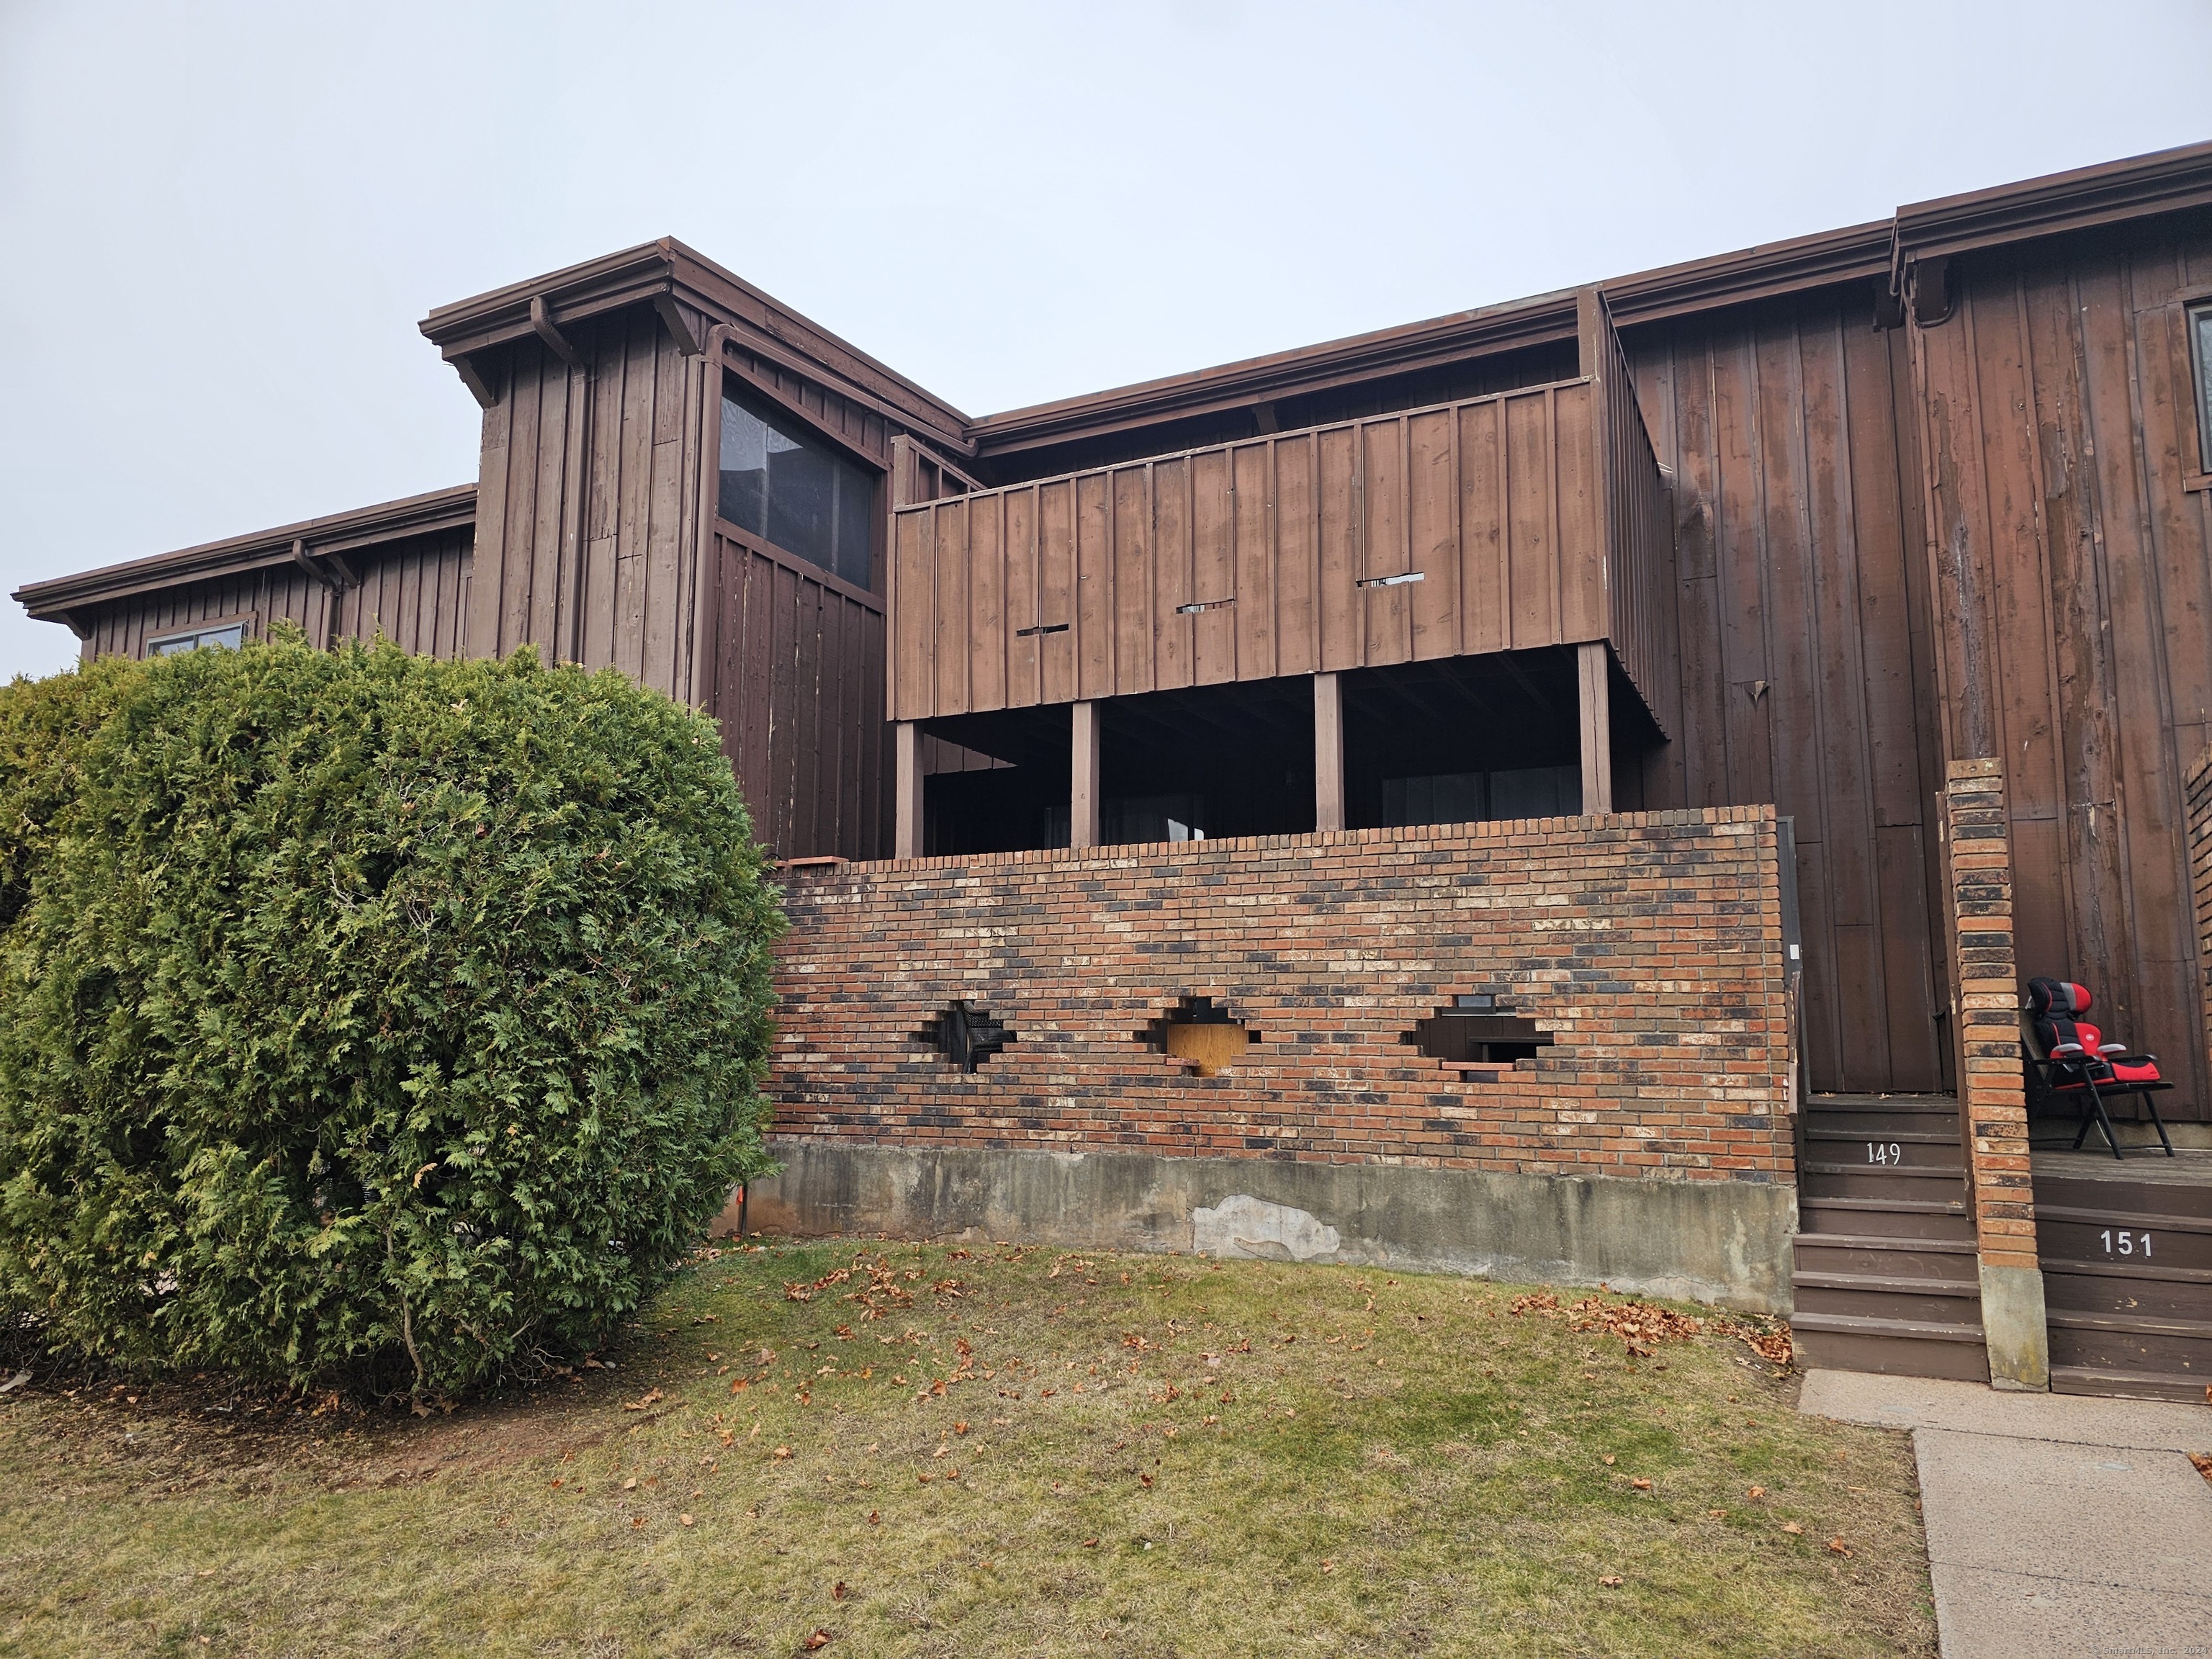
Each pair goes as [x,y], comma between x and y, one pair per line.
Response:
[1542,320]
[2165,181]
[327,540]
[691,295]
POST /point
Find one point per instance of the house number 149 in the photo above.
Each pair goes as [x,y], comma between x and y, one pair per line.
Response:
[2123,1243]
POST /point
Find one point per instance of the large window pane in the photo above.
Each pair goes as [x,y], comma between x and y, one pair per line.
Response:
[788,486]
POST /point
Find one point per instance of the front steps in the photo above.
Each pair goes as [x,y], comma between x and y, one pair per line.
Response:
[1887,1277]
[2127,1272]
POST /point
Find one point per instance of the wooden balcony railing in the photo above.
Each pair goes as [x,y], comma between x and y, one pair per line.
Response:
[1530,518]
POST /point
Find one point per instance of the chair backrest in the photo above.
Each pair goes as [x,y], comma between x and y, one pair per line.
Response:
[2062,997]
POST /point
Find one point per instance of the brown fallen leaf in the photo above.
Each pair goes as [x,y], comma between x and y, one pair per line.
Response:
[1091,1543]
[1609,1459]
[1641,1484]
[1718,1514]
[837,1591]
[959,1428]
[1756,1493]
[1611,1581]
[1145,1480]
[1793,1529]
[686,1520]
[1838,1545]
[630,1485]
[781,1453]
[821,1638]
[636,1521]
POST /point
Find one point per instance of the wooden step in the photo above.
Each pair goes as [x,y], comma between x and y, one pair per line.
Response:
[2110,1342]
[2130,1385]
[1894,1218]
[1854,1181]
[2118,1197]
[1874,1150]
[1909,1105]
[2074,1234]
[2128,1289]
[1876,1295]
[1898,1347]
[1950,1261]
[1869,1125]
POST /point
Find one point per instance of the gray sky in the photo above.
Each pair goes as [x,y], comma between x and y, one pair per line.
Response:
[220,223]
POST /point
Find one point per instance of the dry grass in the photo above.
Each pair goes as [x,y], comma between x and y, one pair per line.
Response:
[1136,1455]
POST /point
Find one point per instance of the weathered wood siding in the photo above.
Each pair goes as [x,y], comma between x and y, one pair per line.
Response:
[414,591]
[587,505]
[415,594]
[1073,587]
[798,685]
[2073,572]
[591,544]
[272,594]
[1799,606]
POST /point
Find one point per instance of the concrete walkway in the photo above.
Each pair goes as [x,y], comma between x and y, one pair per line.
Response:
[2057,1525]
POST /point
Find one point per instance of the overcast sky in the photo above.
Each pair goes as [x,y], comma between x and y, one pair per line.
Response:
[220,223]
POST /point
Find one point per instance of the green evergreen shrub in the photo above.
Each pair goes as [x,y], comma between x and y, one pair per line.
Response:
[368,1020]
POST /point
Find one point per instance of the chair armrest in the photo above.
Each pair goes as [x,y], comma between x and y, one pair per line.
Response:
[2068,1050]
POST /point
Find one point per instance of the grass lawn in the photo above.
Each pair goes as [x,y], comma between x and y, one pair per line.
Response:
[991,1451]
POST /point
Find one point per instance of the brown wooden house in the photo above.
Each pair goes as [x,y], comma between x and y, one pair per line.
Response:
[1804,526]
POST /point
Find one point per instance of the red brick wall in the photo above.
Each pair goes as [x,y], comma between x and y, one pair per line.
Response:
[1649,944]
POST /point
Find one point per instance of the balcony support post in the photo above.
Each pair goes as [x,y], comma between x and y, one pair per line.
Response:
[1597,726]
[906,820]
[1082,795]
[1328,753]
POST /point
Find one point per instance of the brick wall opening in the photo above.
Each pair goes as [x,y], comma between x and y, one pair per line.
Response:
[1480,1033]
[1207,1038]
[965,1034]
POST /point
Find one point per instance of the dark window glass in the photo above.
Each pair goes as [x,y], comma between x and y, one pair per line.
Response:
[1535,792]
[789,486]
[228,637]
[2200,340]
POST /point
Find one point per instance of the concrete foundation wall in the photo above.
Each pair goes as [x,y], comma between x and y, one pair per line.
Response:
[1723,1242]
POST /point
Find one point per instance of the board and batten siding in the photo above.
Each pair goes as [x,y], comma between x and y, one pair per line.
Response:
[266,596]
[1801,611]
[2073,571]
[587,502]
[413,592]
[1071,588]
[798,686]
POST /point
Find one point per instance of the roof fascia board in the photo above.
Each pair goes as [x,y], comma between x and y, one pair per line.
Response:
[2165,181]
[1855,253]
[338,533]
[1538,321]
[657,271]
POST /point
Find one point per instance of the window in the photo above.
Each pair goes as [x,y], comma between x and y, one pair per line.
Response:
[2200,352]
[789,486]
[228,636]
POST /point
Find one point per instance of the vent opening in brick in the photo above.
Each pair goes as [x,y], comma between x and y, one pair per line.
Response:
[965,1034]
[1207,1038]
[1479,1033]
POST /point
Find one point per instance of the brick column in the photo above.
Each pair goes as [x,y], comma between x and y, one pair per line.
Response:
[1992,1086]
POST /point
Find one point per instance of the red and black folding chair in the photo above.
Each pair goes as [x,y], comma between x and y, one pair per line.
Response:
[2075,1059]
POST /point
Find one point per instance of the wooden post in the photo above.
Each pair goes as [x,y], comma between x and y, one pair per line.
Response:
[906,823]
[1597,726]
[1328,753]
[1082,795]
